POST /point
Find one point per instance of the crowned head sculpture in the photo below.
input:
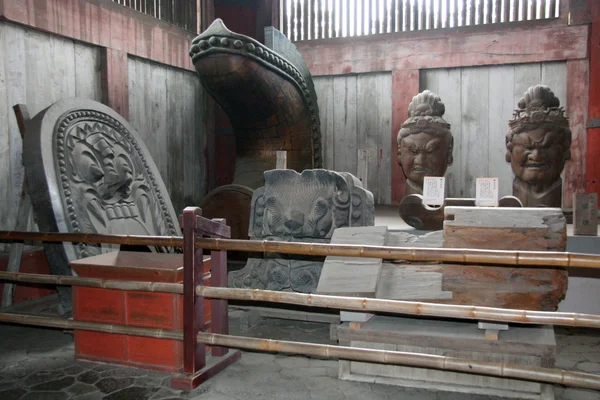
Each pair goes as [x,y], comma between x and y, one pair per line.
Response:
[537,146]
[424,142]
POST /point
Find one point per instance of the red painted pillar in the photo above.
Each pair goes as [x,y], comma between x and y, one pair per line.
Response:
[115,81]
[405,85]
[593,133]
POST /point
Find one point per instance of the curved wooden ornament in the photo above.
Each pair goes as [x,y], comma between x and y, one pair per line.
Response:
[232,202]
[268,96]
[421,216]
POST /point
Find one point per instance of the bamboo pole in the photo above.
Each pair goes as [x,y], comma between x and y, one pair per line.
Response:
[157,287]
[53,322]
[461,256]
[503,370]
[405,307]
[141,240]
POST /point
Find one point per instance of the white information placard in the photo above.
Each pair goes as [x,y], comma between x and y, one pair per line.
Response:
[486,192]
[434,190]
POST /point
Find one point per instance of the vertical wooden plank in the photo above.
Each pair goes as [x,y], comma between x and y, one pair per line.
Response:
[156,111]
[480,19]
[454,13]
[367,127]
[447,83]
[344,125]
[6,195]
[376,17]
[367,16]
[500,109]
[497,12]
[534,9]
[175,112]
[515,10]
[488,11]
[574,174]
[505,11]
[405,85]
[324,90]
[348,19]
[362,169]
[526,75]
[406,14]
[438,14]
[14,45]
[472,13]
[115,92]
[393,16]
[305,19]
[475,151]
[462,21]
[358,26]
[88,78]
[382,163]
[415,16]
[422,16]
[554,75]
[551,9]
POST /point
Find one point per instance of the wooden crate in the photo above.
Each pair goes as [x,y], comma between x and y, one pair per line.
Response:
[132,308]
[524,345]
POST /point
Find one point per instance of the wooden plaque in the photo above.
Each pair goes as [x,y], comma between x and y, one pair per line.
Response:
[585,214]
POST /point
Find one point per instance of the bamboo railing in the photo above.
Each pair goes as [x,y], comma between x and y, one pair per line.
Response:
[460,256]
[325,301]
[405,307]
[53,322]
[163,287]
[503,370]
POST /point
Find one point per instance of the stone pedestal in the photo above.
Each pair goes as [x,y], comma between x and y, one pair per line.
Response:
[132,308]
[523,345]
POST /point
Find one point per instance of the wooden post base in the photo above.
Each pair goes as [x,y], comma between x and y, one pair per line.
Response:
[214,365]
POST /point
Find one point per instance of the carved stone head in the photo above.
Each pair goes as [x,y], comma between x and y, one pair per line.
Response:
[425,142]
[93,174]
[538,145]
[308,205]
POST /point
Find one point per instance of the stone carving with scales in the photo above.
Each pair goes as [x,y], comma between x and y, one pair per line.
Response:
[93,174]
[304,207]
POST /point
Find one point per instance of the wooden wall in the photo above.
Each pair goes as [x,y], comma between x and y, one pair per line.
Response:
[356,113]
[479,103]
[36,69]
[166,107]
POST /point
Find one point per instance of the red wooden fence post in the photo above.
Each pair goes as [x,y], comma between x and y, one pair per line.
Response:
[219,311]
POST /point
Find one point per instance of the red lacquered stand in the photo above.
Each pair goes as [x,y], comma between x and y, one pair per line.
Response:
[198,365]
[143,309]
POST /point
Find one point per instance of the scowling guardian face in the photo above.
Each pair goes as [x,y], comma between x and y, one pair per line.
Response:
[538,156]
[423,154]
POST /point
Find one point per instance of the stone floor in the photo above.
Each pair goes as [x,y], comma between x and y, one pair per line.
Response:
[39,364]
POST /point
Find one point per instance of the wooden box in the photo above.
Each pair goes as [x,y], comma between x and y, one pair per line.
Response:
[523,345]
[133,308]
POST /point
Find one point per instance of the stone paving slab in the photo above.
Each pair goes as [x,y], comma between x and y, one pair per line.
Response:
[39,364]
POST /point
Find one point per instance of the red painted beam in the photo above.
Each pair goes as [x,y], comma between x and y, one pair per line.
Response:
[405,85]
[115,81]
[446,49]
[577,110]
[106,24]
[593,134]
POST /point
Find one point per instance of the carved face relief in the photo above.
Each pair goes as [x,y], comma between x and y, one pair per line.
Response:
[538,155]
[423,154]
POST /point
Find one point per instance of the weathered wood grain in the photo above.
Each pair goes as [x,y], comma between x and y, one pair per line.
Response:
[585,214]
[348,276]
[405,85]
[38,69]
[574,174]
[534,229]
[106,24]
[355,113]
[469,47]
[164,106]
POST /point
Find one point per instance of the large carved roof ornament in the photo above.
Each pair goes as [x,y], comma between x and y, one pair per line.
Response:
[268,94]
[90,172]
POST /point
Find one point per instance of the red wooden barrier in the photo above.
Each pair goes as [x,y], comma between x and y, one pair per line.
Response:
[197,365]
